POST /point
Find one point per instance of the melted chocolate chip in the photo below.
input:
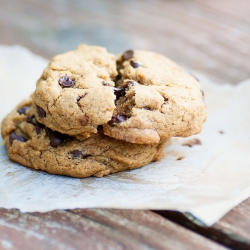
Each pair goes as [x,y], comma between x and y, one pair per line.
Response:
[118,119]
[135,64]
[99,128]
[66,82]
[39,128]
[41,113]
[127,55]
[76,154]
[23,110]
[85,156]
[84,120]
[118,77]
[13,136]
[56,139]
[104,83]
[30,118]
[119,92]
[80,97]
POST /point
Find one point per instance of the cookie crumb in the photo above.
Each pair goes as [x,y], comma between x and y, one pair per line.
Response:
[221,132]
[180,158]
[192,142]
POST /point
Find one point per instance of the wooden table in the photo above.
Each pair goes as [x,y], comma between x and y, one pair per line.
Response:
[211,37]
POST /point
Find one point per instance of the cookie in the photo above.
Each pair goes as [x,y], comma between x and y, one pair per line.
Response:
[75,92]
[155,100]
[141,98]
[33,145]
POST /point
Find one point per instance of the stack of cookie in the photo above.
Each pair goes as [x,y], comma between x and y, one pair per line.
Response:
[93,114]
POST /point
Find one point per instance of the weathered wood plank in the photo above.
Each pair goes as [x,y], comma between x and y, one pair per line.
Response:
[211,37]
[95,229]
[233,230]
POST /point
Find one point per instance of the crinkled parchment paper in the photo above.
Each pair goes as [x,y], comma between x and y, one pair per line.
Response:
[208,179]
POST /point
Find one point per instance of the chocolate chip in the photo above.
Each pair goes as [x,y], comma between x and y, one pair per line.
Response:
[66,82]
[30,118]
[80,97]
[99,128]
[13,136]
[147,108]
[41,113]
[104,83]
[135,64]
[39,128]
[127,55]
[76,154]
[118,119]
[23,110]
[56,139]
[119,92]
[84,120]
[118,77]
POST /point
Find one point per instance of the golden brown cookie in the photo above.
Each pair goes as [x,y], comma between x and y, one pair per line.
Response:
[155,100]
[31,144]
[150,100]
[75,92]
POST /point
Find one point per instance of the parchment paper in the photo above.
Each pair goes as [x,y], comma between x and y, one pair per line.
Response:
[210,180]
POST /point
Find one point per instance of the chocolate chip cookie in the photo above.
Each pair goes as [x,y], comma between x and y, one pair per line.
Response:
[142,97]
[155,100]
[75,92]
[31,144]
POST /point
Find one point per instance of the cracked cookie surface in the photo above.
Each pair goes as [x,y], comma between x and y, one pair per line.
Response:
[155,100]
[140,97]
[75,92]
[31,144]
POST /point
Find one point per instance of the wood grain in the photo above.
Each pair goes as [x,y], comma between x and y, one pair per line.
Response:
[233,230]
[95,229]
[211,37]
